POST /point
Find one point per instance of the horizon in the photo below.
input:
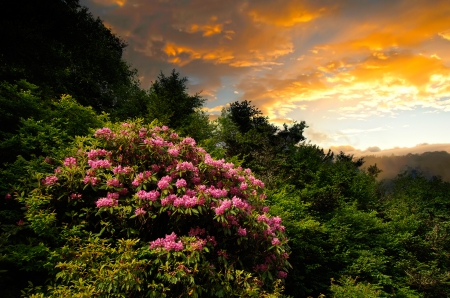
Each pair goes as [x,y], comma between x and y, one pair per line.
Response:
[366,76]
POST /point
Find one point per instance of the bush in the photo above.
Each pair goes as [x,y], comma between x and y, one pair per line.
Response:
[138,211]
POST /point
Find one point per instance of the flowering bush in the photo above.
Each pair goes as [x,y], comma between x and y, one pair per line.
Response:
[139,211]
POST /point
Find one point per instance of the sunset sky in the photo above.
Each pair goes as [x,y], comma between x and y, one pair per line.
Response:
[365,75]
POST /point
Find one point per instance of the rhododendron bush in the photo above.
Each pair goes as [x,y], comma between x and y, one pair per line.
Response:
[138,211]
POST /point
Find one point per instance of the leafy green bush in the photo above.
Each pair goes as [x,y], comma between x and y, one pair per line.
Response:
[138,211]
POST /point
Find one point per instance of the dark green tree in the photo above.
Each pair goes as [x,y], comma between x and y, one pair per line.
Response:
[171,104]
[60,47]
[243,131]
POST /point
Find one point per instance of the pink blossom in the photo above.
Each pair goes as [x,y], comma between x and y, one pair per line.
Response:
[75,196]
[122,170]
[275,241]
[174,152]
[20,223]
[164,182]
[90,180]
[49,180]
[243,186]
[242,231]
[8,196]
[282,274]
[168,243]
[70,161]
[173,135]
[186,166]
[139,211]
[223,254]
[168,200]
[104,133]
[100,163]
[198,245]
[180,183]
[265,209]
[238,203]
[225,205]
[212,240]
[113,182]
[124,191]
[196,231]
[140,178]
[113,195]
[217,193]
[106,202]
[263,218]
[188,141]
[152,195]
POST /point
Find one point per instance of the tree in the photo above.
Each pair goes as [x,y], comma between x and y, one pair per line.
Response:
[243,131]
[139,211]
[171,104]
[60,47]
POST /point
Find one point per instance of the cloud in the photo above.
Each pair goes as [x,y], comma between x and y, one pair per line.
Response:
[376,151]
[329,62]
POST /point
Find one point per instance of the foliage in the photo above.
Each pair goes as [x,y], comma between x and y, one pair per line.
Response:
[243,131]
[61,47]
[35,127]
[132,186]
[170,103]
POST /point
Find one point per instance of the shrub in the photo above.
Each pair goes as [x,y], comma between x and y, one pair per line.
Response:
[138,211]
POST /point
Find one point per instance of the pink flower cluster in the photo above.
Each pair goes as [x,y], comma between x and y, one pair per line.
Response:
[188,141]
[100,163]
[198,244]
[150,195]
[106,202]
[75,196]
[173,152]
[239,203]
[168,243]
[122,170]
[242,232]
[70,162]
[141,178]
[196,231]
[114,182]
[164,182]
[185,201]
[216,193]
[224,205]
[157,142]
[186,166]
[282,274]
[92,154]
[91,180]
[181,183]
[49,180]
[111,200]
[139,211]
[156,172]
[104,133]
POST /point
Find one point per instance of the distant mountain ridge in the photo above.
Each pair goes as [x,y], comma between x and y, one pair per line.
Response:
[435,163]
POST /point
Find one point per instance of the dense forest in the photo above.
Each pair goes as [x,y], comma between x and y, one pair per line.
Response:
[111,190]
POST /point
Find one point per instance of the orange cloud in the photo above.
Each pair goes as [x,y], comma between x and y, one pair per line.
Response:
[284,13]
[111,2]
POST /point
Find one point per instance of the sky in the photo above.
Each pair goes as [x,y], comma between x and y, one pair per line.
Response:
[367,76]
